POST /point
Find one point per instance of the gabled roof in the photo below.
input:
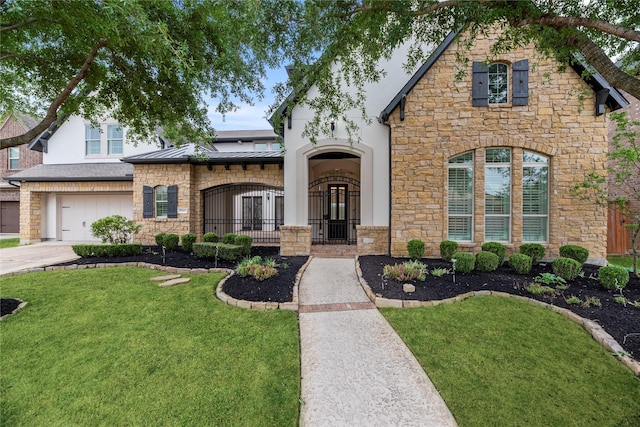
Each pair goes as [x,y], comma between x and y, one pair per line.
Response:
[75,172]
[40,142]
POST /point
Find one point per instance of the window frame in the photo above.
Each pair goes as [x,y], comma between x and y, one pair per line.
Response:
[157,191]
[111,139]
[544,164]
[89,138]
[507,82]
[509,217]
[463,165]
[13,158]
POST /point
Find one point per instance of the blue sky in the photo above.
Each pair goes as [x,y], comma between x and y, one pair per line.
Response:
[249,116]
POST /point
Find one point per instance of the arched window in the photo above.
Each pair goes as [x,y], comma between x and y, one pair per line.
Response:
[498,83]
[460,197]
[161,201]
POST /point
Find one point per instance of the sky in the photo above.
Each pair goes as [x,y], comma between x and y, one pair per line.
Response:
[249,116]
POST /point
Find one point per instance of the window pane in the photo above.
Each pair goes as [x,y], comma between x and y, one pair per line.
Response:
[535,190]
[531,157]
[496,228]
[498,84]
[460,197]
[498,155]
[497,190]
[114,139]
[534,229]
[276,146]
[92,132]
[14,158]
[260,146]
[92,138]
[462,158]
[460,228]
[161,201]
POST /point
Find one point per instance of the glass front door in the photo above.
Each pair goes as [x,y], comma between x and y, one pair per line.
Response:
[337,212]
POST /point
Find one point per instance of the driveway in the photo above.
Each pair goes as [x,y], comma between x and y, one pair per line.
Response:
[34,255]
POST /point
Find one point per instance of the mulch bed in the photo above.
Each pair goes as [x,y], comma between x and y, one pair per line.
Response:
[619,321]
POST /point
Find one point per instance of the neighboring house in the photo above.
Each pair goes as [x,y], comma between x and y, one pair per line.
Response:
[618,237]
[12,161]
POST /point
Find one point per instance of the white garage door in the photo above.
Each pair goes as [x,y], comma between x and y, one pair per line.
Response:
[79,211]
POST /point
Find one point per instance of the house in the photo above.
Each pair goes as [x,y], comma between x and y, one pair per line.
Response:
[490,157]
[12,161]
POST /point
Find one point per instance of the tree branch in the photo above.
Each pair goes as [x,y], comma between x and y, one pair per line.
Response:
[5,26]
[52,112]
[595,24]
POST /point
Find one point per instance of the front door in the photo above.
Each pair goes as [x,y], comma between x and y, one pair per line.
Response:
[337,212]
[252,213]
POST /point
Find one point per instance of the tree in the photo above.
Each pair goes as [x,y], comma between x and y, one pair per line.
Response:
[150,63]
[625,170]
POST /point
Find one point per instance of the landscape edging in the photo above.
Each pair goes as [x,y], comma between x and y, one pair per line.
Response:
[596,331]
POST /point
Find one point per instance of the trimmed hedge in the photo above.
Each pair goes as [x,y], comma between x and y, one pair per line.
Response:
[447,249]
[244,241]
[210,237]
[160,239]
[613,277]
[535,250]
[119,249]
[567,268]
[496,248]
[415,247]
[465,262]
[170,241]
[229,238]
[487,261]
[187,242]
[576,252]
[521,263]
[225,251]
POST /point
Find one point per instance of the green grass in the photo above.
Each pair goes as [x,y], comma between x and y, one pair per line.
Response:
[108,347]
[9,243]
[503,362]
[621,261]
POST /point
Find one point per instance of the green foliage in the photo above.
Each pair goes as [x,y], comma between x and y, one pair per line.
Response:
[114,250]
[258,268]
[408,270]
[244,241]
[114,229]
[538,289]
[170,241]
[439,272]
[535,250]
[210,237]
[567,268]
[549,279]
[572,300]
[447,249]
[487,261]
[463,262]
[521,263]
[217,250]
[576,252]
[159,238]
[496,248]
[612,277]
[9,243]
[415,247]
[229,238]
[187,242]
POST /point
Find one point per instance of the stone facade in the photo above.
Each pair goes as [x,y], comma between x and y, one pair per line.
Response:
[372,240]
[295,240]
[559,122]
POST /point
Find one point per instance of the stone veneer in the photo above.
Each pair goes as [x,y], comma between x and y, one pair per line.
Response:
[372,240]
[440,122]
[295,240]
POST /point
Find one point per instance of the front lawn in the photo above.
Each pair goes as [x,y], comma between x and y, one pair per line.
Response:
[108,347]
[504,362]
[9,243]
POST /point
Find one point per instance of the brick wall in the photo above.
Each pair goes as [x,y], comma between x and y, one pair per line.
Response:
[559,122]
[27,158]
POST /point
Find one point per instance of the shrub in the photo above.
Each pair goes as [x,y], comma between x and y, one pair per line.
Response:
[578,253]
[187,242]
[229,238]
[535,250]
[487,261]
[439,272]
[223,251]
[521,263]
[120,249]
[408,270]
[257,268]
[245,242]
[170,241]
[415,247]
[114,229]
[497,248]
[447,249]
[160,238]
[549,279]
[613,277]
[566,268]
[210,237]
[465,262]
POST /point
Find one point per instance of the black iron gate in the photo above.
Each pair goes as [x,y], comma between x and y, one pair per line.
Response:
[334,210]
[251,209]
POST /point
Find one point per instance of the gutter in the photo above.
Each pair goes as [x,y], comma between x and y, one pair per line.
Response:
[13,183]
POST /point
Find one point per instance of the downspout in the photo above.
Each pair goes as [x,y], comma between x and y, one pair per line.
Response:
[13,183]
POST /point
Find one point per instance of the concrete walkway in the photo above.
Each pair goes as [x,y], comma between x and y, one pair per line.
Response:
[34,255]
[356,371]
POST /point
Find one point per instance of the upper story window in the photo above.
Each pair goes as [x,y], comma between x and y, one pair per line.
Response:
[498,83]
[92,140]
[260,146]
[14,158]
[115,142]
[104,140]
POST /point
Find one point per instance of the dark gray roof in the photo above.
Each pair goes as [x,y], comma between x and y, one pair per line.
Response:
[245,135]
[75,172]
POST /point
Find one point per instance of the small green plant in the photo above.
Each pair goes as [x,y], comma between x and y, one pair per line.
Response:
[535,250]
[114,229]
[521,263]
[497,248]
[210,237]
[549,279]
[229,238]
[591,302]
[439,272]
[573,300]
[465,262]
[447,249]
[187,242]
[244,241]
[487,261]
[408,270]
[258,268]
[538,289]
[621,300]
[575,252]
[415,247]
[612,277]
[160,239]
[170,241]
[567,268]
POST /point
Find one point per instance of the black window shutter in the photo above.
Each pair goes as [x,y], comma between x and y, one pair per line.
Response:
[480,81]
[172,201]
[147,202]
[520,82]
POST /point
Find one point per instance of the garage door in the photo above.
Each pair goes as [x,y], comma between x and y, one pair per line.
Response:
[78,212]
[9,217]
